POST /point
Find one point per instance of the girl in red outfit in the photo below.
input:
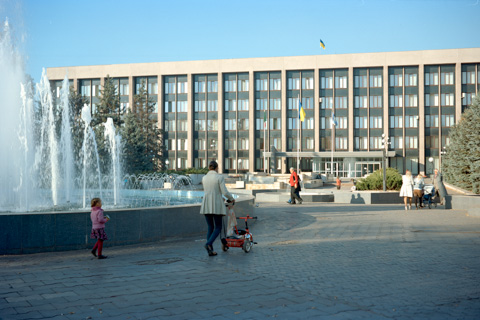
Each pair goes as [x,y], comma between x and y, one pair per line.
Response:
[98,227]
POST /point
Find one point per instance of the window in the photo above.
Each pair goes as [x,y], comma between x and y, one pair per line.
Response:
[170,144]
[170,106]
[309,143]
[170,125]
[411,100]
[411,163]
[212,86]
[376,101]
[396,142]
[242,124]
[199,144]
[261,84]
[341,82]
[182,87]
[342,122]
[411,142]
[396,80]
[212,125]
[361,81]
[361,143]
[448,120]
[292,103]
[308,124]
[230,105]
[447,99]
[182,125]
[341,143]
[468,98]
[396,101]
[431,120]
[361,122]
[431,142]
[396,122]
[431,79]
[307,103]
[243,105]
[468,77]
[200,163]
[230,85]
[411,121]
[307,83]
[243,85]
[446,78]
[292,123]
[169,87]
[124,89]
[261,104]
[230,164]
[376,122]
[410,79]
[376,143]
[231,144]
[431,100]
[327,103]
[200,106]
[325,123]
[199,86]
[181,106]
[199,125]
[275,104]
[376,81]
[361,102]
[243,164]
[243,144]
[341,103]
[276,142]
[212,105]
[275,84]
[230,124]
[445,141]
[326,82]
[182,144]
[275,123]
[293,84]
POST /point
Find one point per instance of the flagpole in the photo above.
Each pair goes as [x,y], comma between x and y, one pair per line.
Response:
[264,145]
[333,131]
[298,136]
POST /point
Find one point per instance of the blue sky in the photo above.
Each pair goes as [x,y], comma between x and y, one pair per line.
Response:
[54,33]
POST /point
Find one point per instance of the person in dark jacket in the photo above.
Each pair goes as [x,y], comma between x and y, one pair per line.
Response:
[439,186]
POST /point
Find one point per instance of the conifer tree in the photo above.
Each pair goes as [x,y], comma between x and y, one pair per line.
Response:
[142,138]
[461,163]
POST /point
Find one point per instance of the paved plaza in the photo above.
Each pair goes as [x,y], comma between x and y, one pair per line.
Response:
[312,261]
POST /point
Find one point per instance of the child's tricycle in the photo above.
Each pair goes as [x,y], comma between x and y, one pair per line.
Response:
[238,238]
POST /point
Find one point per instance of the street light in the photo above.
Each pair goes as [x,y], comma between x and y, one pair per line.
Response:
[444,151]
[166,163]
[385,143]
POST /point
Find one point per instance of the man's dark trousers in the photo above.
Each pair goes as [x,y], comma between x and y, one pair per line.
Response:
[293,195]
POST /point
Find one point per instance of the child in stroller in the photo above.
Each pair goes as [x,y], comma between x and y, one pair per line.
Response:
[428,194]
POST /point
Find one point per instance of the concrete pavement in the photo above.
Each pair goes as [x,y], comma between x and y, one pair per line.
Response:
[313,261]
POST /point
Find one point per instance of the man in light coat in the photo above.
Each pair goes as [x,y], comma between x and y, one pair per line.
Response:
[213,205]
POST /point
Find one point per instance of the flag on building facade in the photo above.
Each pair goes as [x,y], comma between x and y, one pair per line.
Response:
[333,121]
[265,120]
[322,44]
[301,112]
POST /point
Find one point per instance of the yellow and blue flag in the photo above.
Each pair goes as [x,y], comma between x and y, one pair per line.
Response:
[301,112]
[322,44]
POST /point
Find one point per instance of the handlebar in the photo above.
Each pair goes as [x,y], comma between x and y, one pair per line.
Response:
[247,217]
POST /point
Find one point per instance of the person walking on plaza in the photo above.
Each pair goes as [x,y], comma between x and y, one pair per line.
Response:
[98,227]
[294,185]
[407,189]
[440,189]
[338,183]
[418,184]
[213,206]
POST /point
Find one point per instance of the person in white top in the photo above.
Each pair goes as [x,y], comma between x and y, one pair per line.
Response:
[407,189]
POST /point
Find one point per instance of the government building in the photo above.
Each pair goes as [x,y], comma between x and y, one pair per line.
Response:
[226,109]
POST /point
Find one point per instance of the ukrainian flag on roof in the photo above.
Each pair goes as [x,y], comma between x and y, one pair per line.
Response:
[322,44]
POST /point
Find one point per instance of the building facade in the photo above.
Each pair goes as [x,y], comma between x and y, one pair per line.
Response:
[234,110]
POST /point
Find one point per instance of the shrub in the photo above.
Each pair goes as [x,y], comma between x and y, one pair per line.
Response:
[375,180]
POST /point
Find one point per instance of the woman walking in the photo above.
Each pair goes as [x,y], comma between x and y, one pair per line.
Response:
[407,189]
[418,190]
[213,206]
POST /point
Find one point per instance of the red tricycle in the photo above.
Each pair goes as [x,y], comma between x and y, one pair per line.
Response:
[240,238]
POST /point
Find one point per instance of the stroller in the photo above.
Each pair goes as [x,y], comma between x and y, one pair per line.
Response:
[428,195]
[235,237]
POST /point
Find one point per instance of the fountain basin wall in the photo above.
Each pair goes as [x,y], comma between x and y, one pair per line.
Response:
[22,233]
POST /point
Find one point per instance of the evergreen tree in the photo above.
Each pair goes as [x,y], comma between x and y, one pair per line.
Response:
[76,102]
[109,106]
[142,138]
[461,163]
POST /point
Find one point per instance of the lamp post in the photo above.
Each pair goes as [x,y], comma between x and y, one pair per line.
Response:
[166,164]
[385,143]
